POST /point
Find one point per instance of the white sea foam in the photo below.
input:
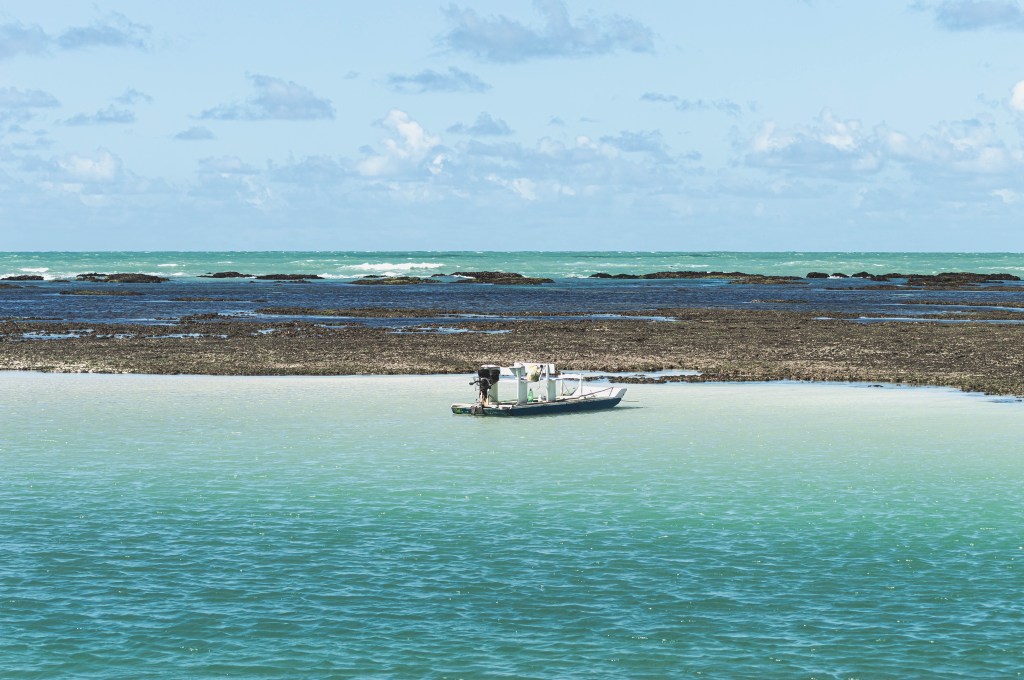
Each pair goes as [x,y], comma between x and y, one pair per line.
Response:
[383,267]
[38,271]
[169,264]
[167,273]
[352,277]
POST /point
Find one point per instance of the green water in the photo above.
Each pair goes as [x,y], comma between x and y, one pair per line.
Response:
[338,527]
[347,265]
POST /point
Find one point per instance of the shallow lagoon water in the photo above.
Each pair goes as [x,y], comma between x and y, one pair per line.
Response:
[351,526]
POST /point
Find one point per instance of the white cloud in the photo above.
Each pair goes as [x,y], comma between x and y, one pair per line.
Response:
[13,98]
[119,111]
[102,166]
[972,15]
[19,106]
[94,180]
[113,30]
[1017,97]
[195,133]
[275,99]
[828,145]
[726,106]
[226,166]
[532,190]
[629,164]
[107,115]
[970,146]
[525,187]
[116,30]
[21,39]
[485,125]
[502,39]
[230,180]
[317,172]
[132,96]
[957,163]
[407,148]
[455,80]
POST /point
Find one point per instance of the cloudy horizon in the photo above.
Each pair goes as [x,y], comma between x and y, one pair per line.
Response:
[548,125]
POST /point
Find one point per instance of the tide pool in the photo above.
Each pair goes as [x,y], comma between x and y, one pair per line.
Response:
[155,526]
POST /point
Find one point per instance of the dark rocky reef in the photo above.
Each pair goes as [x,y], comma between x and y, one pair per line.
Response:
[120,278]
[208,316]
[23,277]
[503,278]
[93,291]
[360,312]
[226,275]
[941,280]
[736,277]
[734,345]
[945,279]
[674,275]
[391,281]
[878,277]
[287,277]
[762,280]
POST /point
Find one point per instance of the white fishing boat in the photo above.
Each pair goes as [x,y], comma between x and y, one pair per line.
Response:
[535,389]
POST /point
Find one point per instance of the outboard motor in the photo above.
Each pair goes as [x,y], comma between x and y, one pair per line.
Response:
[486,377]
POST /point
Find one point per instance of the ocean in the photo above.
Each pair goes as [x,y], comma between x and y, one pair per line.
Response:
[559,265]
[167,527]
[572,291]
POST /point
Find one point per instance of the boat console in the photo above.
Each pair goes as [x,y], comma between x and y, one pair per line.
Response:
[534,388]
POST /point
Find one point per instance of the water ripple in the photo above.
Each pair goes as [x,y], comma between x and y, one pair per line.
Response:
[205,528]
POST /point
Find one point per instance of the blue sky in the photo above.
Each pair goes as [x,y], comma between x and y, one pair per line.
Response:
[551,125]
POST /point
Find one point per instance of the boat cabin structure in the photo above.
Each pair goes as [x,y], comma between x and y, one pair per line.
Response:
[535,389]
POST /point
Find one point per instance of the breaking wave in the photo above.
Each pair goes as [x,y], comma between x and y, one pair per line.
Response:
[382,267]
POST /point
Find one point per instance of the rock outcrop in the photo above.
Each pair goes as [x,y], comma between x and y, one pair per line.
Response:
[226,275]
[121,278]
[94,291]
[737,277]
[503,278]
[374,280]
[954,279]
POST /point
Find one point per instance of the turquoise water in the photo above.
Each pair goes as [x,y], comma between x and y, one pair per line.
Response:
[312,527]
[350,265]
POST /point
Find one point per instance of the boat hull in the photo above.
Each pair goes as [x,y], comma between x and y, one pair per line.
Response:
[540,408]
